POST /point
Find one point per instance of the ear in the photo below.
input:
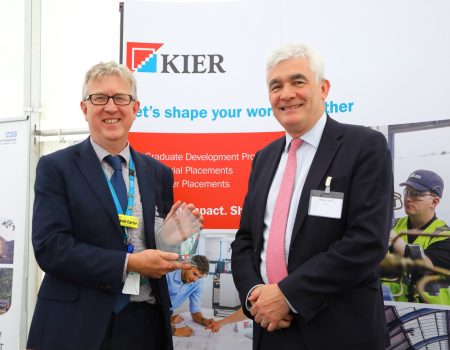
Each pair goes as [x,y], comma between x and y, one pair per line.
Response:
[325,88]
[435,201]
[83,107]
[136,106]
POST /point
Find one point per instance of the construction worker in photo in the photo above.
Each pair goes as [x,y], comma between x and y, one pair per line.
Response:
[422,194]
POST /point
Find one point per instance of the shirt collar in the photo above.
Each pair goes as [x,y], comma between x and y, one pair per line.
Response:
[313,135]
[102,153]
[177,276]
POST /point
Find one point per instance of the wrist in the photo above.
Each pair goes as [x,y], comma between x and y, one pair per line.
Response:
[131,263]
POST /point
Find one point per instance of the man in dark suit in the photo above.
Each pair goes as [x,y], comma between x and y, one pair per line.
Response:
[85,252]
[331,235]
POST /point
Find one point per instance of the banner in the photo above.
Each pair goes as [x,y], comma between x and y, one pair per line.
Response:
[204,110]
[14,145]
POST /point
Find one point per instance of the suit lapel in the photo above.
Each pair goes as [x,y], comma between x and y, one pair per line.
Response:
[90,167]
[328,146]
[146,181]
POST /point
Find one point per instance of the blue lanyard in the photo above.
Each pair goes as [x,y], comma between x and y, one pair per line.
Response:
[130,203]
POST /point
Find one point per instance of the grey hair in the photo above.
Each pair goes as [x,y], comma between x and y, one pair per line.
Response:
[298,51]
[105,69]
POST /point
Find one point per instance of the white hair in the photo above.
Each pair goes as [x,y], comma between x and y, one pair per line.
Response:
[298,51]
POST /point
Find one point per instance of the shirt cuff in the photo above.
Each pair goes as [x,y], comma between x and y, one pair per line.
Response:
[124,274]
[290,305]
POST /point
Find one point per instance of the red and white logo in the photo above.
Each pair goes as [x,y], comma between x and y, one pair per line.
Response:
[141,57]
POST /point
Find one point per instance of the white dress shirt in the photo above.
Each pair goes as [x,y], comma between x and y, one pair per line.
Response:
[305,156]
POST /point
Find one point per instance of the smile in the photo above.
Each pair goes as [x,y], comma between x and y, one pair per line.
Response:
[290,108]
[111,121]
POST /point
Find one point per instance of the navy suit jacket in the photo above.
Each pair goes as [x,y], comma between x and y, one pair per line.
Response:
[78,242]
[333,263]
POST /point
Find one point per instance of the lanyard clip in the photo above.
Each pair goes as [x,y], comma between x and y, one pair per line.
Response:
[328,184]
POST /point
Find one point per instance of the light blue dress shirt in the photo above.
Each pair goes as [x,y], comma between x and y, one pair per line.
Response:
[180,291]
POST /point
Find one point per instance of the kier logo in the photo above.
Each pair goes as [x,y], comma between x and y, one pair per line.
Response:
[141,57]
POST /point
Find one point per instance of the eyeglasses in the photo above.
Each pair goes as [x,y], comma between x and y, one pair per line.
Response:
[416,195]
[101,99]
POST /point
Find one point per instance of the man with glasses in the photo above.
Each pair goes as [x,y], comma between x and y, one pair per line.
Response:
[97,207]
[187,284]
[422,193]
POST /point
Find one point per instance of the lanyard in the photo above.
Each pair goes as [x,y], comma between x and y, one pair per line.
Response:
[130,202]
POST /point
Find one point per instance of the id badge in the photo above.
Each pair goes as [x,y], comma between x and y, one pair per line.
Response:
[128,221]
[326,204]
[132,283]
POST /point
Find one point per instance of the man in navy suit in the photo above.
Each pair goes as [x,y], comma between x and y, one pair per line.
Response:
[85,252]
[336,225]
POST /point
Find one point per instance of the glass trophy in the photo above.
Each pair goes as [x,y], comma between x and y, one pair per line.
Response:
[179,233]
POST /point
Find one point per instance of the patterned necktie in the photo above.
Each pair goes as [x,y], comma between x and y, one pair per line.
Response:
[117,180]
[120,188]
[275,257]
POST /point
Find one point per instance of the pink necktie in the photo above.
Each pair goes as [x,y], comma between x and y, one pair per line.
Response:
[275,259]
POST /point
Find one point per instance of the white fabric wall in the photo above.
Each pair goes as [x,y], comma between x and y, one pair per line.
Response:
[12,58]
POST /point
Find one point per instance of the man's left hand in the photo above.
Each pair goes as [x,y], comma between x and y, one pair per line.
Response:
[269,307]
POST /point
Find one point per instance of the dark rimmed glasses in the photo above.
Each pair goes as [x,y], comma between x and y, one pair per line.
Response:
[102,99]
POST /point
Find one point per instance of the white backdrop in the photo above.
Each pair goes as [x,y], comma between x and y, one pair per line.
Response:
[12,58]
[390,59]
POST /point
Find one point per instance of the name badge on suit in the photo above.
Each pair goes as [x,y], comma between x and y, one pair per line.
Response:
[326,203]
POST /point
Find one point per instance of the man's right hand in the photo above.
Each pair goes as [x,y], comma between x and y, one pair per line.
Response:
[183,332]
[154,263]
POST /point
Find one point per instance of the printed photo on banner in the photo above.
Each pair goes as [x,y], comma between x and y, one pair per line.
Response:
[415,326]
[6,275]
[417,267]
[7,231]
[205,303]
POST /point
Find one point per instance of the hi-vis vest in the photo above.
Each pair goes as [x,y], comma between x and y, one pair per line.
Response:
[399,289]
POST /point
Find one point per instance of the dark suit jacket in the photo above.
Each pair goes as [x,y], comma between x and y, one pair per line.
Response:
[332,268]
[78,242]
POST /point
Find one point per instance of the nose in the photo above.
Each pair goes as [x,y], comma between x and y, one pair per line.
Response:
[287,93]
[110,106]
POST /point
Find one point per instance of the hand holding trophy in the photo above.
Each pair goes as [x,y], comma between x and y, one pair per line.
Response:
[180,231]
